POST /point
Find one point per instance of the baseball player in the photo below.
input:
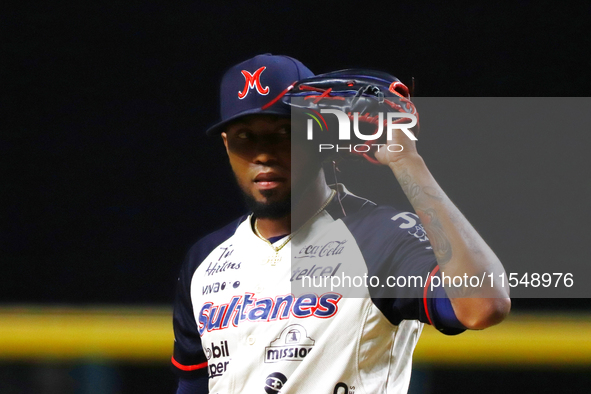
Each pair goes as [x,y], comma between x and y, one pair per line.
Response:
[246,318]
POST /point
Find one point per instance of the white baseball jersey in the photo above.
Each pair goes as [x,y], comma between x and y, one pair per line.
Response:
[256,325]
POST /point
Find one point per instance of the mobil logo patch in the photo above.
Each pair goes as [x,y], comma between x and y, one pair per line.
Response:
[217,351]
[292,345]
[213,352]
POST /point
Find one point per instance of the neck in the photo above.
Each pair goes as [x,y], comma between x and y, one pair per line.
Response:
[310,201]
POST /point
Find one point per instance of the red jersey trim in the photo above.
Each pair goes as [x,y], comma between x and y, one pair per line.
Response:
[188,367]
[425,290]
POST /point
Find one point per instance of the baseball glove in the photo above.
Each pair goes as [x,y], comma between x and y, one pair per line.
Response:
[369,93]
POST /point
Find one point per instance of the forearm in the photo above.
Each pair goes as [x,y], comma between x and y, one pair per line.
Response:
[459,249]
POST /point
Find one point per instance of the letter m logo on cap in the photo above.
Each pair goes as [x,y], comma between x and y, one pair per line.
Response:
[253,81]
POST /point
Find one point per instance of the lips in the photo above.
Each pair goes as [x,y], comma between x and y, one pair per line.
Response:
[268,180]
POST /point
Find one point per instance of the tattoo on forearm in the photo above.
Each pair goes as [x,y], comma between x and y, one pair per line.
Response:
[434,209]
[410,188]
[416,195]
[432,192]
[439,241]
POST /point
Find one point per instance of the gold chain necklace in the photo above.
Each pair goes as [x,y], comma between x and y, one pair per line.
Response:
[275,258]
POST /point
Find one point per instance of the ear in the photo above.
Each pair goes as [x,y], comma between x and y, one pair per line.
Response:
[225,138]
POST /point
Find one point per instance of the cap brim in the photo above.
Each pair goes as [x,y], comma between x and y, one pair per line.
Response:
[219,127]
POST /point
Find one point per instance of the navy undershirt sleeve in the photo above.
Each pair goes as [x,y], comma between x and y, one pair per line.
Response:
[193,386]
[443,312]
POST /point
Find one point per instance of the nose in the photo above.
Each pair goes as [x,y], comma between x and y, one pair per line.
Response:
[266,153]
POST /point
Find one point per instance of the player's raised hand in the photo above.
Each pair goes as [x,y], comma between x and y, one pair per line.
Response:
[399,147]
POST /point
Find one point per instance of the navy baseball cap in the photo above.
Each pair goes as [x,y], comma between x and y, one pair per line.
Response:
[256,85]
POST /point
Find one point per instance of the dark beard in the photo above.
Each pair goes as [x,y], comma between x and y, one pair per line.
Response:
[280,209]
[272,210]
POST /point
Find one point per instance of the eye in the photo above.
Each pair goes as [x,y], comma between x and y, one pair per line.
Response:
[284,130]
[243,135]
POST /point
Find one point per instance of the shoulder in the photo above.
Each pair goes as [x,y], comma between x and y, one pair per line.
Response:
[363,216]
[383,219]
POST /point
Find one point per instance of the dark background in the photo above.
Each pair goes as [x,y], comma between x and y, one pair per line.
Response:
[107,177]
